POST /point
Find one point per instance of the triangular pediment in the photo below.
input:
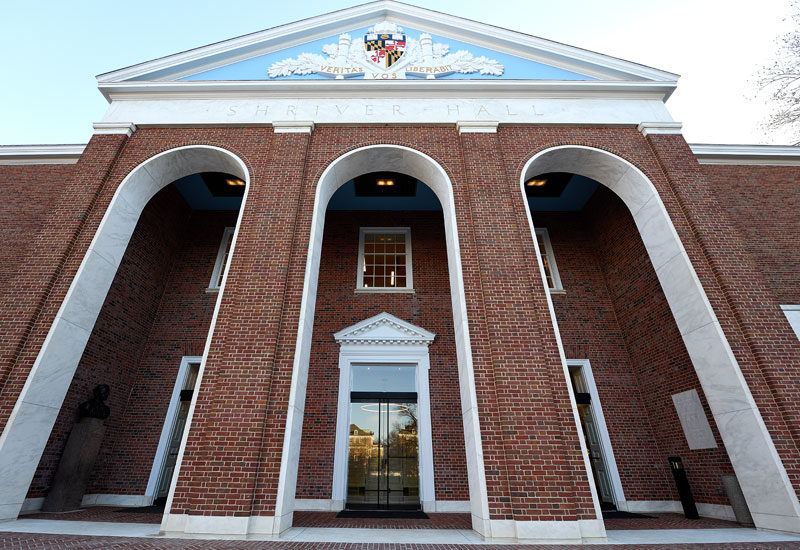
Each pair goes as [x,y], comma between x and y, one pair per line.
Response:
[386,40]
[384,328]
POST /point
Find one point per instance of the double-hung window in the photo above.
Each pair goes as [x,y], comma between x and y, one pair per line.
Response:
[384,259]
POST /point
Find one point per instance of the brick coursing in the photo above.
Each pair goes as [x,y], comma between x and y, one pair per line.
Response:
[28,192]
[534,468]
[338,307]
[763,202]
[615,314]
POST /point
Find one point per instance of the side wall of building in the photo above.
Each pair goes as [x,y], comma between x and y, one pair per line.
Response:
[764,204]
[27,192]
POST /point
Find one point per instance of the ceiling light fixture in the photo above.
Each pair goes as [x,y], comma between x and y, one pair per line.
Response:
[234,182]
[387,183]
[533,182]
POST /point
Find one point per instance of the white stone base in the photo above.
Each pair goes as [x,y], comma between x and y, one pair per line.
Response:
[318,505]
[129,501]
[451,506]
[546,531]
[716,511]
[654,506]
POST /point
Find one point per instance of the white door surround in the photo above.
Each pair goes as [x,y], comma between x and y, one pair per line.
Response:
[28,428]
[384,340]
[760,471]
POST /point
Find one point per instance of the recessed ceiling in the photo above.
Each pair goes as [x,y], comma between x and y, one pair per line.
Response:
[576,192]
[210,191]
[346,198]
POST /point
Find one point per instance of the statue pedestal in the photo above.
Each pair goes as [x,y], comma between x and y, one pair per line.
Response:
[72,476]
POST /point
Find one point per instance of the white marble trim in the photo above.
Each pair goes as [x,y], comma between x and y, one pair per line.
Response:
[762,476]
[124,128]
[349,165]
[29,425]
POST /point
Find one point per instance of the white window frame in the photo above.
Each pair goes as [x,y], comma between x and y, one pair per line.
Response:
[169,422]
[600,422]
[360,265]
[792,312]
[219,266]
[551,259]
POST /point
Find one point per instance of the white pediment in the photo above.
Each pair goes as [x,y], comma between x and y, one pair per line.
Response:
[487,49]
[384,328]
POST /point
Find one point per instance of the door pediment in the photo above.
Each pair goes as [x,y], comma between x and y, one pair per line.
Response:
[384,329]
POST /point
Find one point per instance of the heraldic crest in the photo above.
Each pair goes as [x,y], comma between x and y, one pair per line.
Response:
[385,52]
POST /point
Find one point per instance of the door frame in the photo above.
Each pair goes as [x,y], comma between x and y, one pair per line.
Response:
[386,398]
[600,422]
[169,422]
[384,340]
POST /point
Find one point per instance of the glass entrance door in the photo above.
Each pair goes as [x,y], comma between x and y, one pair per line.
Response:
[383,464]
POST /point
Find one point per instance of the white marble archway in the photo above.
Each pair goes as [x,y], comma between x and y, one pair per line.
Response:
[761,474]
[28,428]
[361,161]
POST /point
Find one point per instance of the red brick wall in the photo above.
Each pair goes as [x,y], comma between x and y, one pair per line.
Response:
[27,191]
[745,303]
[543,467]
[764,204]
[179,327]
[30,301]
[501,292]
[615,314]
[156,311]
[339,307]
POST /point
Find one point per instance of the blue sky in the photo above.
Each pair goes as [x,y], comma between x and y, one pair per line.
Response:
[51,51]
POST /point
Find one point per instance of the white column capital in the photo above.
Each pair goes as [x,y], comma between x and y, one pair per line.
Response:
[647,128]
[293,126]
[477,126]
[127,128]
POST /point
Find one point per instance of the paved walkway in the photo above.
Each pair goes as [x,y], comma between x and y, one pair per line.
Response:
[28,541]
[109,527]
[43,533]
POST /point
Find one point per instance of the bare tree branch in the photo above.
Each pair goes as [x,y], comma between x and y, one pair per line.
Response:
[781,80]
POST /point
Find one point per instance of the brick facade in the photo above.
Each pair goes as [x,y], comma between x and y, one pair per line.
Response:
[763,204]
[534,469]
[156,312]
[28,192]
[614,313]
[338,307]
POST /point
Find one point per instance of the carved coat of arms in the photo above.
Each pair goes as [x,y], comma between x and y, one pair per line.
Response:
[385,52]
[384,49]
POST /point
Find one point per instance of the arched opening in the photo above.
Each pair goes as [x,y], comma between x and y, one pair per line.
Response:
[423,169]
[138,317]
[639,334]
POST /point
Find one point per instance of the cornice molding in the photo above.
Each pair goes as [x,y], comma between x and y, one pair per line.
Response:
[399,88]
[40,154]
[293,126]
[477,126]
[764,155]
